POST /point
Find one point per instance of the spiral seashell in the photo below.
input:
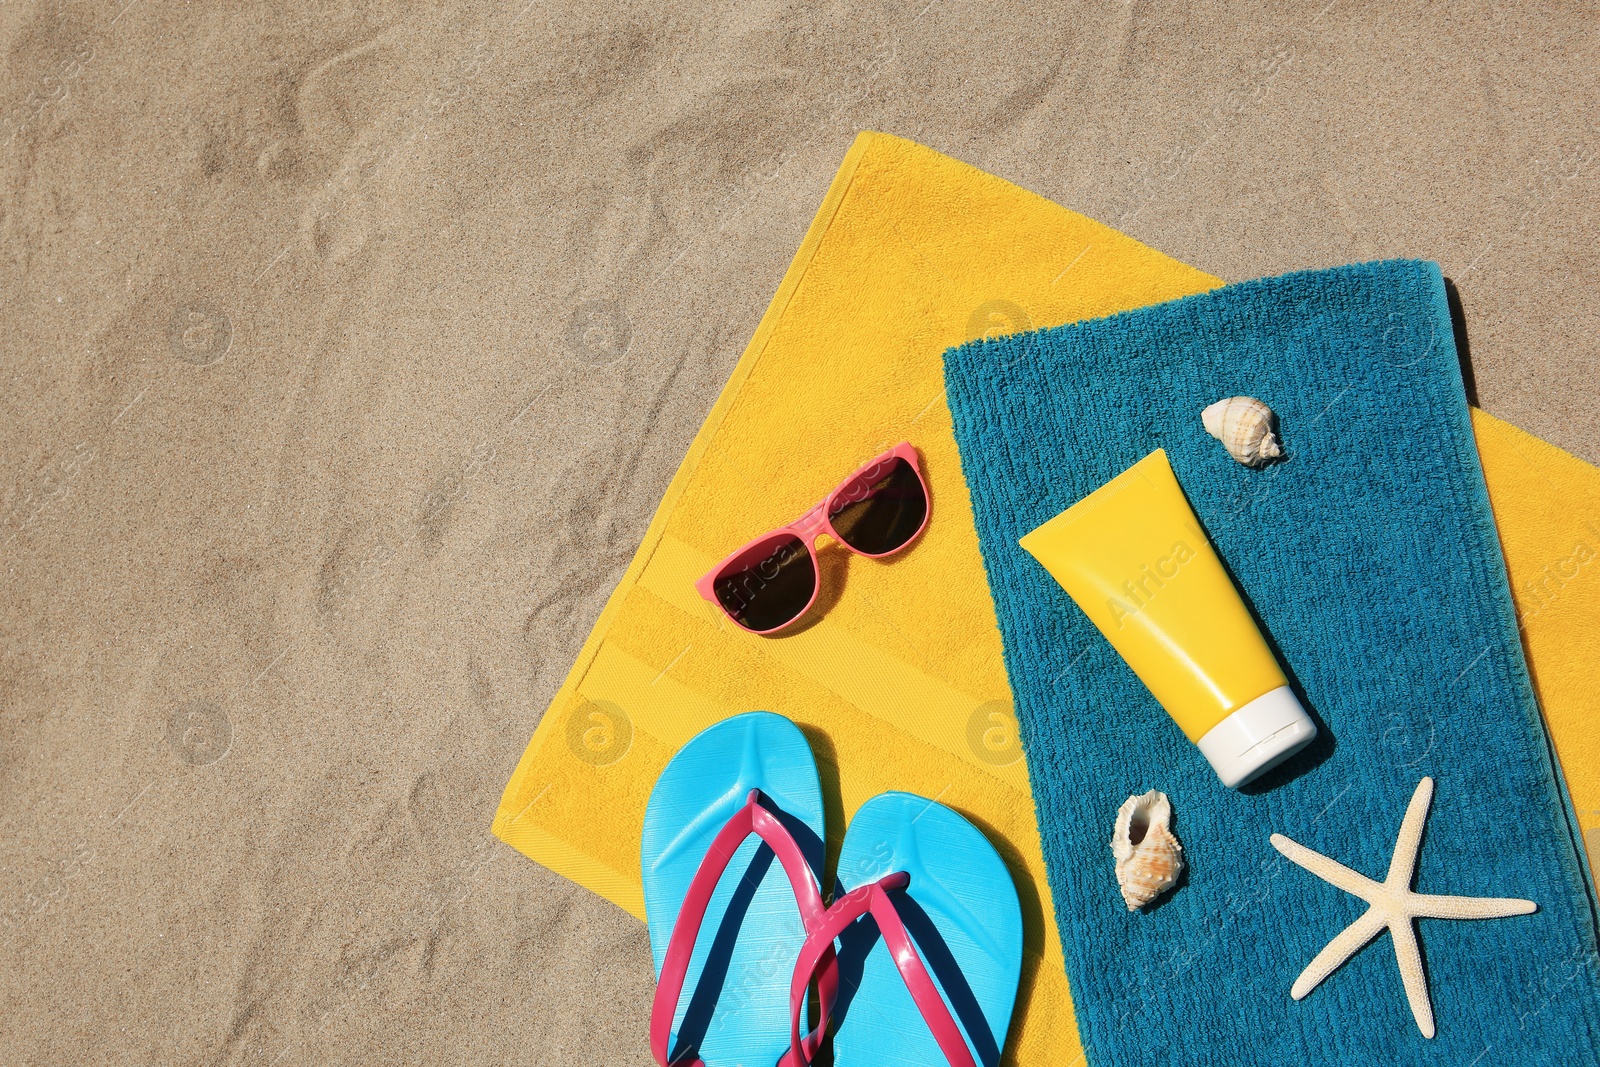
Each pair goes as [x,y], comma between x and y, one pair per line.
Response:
[1244,425]
[1149,858]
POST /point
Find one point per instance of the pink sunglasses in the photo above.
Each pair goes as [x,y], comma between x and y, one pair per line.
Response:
[772,580]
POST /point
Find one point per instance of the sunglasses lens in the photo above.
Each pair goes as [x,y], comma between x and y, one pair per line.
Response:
[769,584]
[881,509]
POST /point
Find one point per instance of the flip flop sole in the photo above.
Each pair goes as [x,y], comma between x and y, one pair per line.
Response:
[961,910]
[734,1011]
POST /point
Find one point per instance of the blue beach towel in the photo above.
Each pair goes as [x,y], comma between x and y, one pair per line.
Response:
[1370,557]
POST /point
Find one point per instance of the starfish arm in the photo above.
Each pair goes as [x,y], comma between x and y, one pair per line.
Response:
[1403,866]
[1331,871]
[1339,949]
[1409,957]
[1424,905]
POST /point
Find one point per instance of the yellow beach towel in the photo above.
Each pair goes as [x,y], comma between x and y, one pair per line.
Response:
[900,685]
[1547,509]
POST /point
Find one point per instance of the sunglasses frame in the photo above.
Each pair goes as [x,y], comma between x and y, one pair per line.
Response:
[812,525]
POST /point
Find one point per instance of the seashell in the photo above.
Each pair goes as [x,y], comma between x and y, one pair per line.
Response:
[1244,425]
[1149,858]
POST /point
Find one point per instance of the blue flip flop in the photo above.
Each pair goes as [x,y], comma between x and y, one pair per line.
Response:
[929,943]
[738,796]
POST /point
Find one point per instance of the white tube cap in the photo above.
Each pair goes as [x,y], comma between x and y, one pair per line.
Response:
[1257,737]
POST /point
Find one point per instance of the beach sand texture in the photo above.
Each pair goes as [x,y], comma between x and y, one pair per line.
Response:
[347,350]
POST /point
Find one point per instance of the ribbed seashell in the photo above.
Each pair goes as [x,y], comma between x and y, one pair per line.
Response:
[1244,425]
[1149,858]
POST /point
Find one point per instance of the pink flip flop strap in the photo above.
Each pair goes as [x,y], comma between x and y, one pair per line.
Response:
[874,898]
[750,819]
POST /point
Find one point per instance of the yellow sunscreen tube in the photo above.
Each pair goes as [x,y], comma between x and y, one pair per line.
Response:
[1133,556]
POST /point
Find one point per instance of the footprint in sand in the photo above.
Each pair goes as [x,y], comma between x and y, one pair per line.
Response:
[347,107]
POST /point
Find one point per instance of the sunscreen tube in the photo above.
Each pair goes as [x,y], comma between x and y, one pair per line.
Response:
[1133,556]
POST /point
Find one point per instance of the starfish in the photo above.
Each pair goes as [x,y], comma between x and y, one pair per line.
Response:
[1394,906]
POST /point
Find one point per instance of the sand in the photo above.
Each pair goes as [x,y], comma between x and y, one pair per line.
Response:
[348,348]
